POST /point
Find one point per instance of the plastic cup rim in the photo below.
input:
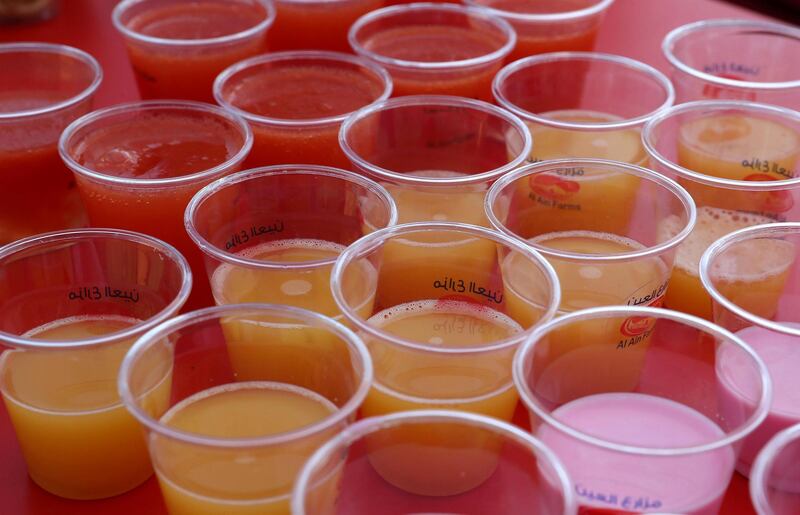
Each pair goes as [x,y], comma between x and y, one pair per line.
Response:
[675,35]
[235,121]
[56,49]
[545,166]
[617,60]
[371,425]
[722,244]
[586,12]
[362,247]
[77,235]
[297,55]
[210,190]
[652,125]
[154,335]
[764,460]
[502,25]
[122,28]
[380,173]
[604,312]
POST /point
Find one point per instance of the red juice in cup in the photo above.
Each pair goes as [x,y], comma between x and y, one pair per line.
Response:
[43,87]
[138,165]
[177,48]
[316,24]
[435,48]
[295,103]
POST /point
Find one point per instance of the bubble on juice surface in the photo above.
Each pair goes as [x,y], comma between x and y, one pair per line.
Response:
[712,224]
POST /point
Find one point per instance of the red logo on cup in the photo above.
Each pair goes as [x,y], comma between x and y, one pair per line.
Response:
[777,201]
[724,92]
[634,326]
[553,187]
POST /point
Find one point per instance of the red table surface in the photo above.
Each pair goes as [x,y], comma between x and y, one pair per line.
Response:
[633,28]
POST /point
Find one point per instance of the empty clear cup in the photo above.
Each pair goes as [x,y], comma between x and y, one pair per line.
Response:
[584,104]
[429,48]
[272,234]
[599,223]
[740,162]
[295,102]
[735,60]
[138,165]
[775,482]
[178,47]
[544,27]
[753,277]
[71,305]
[433,462]
[441,170]
[45,87]
[640,428]
[234,399]
[452,303]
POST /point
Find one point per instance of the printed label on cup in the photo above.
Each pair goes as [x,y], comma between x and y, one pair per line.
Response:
[103,292]
[452,284]
[244,235]
[723,92]
[554,191]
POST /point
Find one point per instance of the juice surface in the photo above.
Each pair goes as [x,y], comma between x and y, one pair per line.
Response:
[157,146]
[413,379]
[618,145]
[73,430]
[298,92]
[247,481]
[309,289]
[585,285]
[165,72]
[692,484]
[686,292]
[739,147]
[432,43]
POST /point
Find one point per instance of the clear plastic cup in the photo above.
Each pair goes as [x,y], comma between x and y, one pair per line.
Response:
[45,87]
[584,104]
[409,462]
[640,429]
[740,161]
[735,60]
[71,305]
[441,170]
[317,24]
[599,223]
[295,102]
[272,234]
[753,277]
[775,482]
[544,27]
[137,166]
[431,48]
[452,303]
[178,47]
[234,399]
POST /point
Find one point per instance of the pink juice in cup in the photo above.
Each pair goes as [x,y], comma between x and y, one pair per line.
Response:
[781,354]
[630,482]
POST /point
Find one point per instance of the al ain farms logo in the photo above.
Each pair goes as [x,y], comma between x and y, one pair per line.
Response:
[777,201]
[553,187]
[636,325]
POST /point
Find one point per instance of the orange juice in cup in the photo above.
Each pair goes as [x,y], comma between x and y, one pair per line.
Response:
[441,333]
[233,443]
[78,301]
